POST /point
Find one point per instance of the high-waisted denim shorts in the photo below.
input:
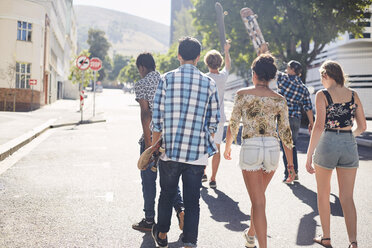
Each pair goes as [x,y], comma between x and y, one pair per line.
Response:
[336,150]
[259,153]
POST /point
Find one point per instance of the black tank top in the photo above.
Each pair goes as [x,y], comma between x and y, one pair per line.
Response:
[339,115]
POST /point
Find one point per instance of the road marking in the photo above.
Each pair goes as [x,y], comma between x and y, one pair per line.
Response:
[109,196]
[22,152]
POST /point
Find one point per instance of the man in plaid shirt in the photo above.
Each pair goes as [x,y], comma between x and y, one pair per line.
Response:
[297,95]
[186,114]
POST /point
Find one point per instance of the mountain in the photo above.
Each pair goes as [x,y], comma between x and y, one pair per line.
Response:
[128,34]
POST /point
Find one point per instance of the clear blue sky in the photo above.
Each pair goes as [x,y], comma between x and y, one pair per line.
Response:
[156,10]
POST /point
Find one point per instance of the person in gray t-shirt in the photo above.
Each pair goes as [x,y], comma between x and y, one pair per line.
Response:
[214,60]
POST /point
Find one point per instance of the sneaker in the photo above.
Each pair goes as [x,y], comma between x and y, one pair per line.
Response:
[204,178]
[161,243]
[144,225]
[213,184]
[181,219]
[296,177]
[250,239]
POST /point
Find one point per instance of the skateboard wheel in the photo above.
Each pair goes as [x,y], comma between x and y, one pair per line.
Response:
[225,13]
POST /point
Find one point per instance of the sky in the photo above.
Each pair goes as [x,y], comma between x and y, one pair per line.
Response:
[155,10]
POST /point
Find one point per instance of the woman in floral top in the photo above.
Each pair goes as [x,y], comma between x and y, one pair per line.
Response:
[264,114]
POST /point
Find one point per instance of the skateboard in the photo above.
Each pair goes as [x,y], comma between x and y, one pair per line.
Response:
[151,156]
[221,24]
[254,31]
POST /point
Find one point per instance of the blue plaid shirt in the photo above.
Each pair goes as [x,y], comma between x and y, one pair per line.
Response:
[186,111]
[295,92]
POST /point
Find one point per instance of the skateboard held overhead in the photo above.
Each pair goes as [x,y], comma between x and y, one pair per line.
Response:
[254,31]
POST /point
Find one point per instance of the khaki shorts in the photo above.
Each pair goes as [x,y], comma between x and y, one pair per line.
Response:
[259,153]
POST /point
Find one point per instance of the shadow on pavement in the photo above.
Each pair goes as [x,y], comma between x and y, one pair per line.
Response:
[225,209]
[307,227]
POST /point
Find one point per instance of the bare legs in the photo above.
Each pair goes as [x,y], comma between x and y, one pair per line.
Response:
[346,181]
[215,163]
[256,183]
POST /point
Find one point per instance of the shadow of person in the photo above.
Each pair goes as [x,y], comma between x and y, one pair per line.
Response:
[147,240]
[225,209]
[307,227]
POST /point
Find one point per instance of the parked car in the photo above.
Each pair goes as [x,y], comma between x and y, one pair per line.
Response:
[127,88]
[99,88]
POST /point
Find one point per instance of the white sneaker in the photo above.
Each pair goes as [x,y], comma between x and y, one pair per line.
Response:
[250,239]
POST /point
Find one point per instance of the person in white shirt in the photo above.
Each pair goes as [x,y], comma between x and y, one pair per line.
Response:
[214,60]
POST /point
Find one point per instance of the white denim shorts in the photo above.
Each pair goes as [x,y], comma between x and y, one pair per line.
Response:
[259,153]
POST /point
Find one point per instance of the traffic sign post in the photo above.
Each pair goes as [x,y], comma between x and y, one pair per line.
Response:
[95,65]
[32,82]
[82,63]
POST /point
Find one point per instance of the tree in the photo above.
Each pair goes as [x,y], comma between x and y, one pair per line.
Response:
[183,24]
[119,62]
[76,75]
[294,29]
[9,73]
[129,73]
[98,47]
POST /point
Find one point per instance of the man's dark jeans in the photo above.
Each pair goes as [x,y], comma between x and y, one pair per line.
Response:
[295,124]
[170,173]
[149,191]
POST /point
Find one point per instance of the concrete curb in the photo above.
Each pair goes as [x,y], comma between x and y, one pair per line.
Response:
[13,145]
[360,141]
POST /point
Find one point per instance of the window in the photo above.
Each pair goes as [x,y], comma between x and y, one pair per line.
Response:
[24,31]
[23,74]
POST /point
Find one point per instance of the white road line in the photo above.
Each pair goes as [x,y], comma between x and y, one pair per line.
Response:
[109,196]
[18,155]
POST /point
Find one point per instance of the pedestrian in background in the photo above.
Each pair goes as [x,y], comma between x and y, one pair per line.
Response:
[186,114]
[297,95]
[214,60]
[332,145]
[145,91]
[264,114]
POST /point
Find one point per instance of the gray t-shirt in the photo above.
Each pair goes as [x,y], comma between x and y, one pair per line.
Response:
[220,80]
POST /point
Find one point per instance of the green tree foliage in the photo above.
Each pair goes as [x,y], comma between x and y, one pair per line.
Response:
[76,75]
[294,29]
[119,63]
[183,25]
[98,47]
[129,73]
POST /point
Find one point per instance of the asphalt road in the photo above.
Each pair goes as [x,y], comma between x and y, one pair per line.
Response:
[78,186]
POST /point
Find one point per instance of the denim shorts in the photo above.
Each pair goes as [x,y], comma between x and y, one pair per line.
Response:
[336,150]
[259,153]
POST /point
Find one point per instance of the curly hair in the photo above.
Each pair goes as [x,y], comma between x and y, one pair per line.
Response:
[264,66]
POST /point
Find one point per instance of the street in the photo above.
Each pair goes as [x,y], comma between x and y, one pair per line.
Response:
[79,186]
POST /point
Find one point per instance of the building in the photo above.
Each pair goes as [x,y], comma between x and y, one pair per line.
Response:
[39,40]
[355,57]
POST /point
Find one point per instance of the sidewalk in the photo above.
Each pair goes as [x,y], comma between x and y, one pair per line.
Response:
[19,128]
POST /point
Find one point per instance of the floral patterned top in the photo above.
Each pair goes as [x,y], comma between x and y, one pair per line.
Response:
[339,115]
[262,117]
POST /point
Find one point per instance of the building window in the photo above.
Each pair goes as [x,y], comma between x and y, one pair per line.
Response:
[24,31]
[23,75]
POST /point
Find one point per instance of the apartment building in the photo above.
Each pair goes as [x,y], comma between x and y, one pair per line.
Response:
[39,40]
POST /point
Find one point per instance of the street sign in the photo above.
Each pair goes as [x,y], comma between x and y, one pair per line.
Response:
[32,81]
[95,64]
[82,62]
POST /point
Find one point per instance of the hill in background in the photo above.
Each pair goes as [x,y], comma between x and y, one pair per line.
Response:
[128,34]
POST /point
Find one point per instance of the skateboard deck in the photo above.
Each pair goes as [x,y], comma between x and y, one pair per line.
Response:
[151,156]
[221,24]
[254,31]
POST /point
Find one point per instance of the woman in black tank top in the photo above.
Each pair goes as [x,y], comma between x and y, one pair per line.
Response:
[332,145]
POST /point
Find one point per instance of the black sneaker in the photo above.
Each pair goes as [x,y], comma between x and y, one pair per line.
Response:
[143,225]
[204,178]
[161,243]
[213,184]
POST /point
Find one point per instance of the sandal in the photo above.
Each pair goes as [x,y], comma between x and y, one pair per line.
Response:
[320,241]
[353,243]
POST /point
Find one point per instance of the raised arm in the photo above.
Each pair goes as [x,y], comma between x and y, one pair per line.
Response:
[227,55]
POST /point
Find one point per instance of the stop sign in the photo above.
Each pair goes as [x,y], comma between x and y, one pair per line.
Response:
[95,64]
